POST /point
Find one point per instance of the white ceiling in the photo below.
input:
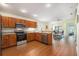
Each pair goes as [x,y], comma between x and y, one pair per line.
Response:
[56,11]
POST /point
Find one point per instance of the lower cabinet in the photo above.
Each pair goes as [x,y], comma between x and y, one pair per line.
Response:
[8,40]
[12,40]
[38,37]
[45,38]
[30,37]
[41,37]
[33,37]
[4,41]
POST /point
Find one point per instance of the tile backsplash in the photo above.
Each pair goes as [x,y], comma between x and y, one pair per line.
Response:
[12,30]
[8,29]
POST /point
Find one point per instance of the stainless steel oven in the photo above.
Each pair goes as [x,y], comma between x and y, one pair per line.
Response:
[21,35]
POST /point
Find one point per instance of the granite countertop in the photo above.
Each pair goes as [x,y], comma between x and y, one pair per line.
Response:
[8,33]
[39,32]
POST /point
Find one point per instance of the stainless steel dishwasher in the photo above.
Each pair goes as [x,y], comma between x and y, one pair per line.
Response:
[44,38]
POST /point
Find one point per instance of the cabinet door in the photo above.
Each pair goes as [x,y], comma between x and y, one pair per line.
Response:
[32,24]
[30,37]
[4,41]
[4,21]
[11,22]
[18,20]
[35,25]
[12,40]
[26,23]
[38,36]
[22,21]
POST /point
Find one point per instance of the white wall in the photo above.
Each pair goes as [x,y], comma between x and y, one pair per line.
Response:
[41,25]
[77,39]
[51,25]
[77,47]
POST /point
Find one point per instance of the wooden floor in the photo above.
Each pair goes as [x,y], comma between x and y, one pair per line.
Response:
[59,48]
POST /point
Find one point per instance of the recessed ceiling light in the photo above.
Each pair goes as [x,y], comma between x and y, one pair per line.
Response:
[48,5]
[35,15]
[23,11]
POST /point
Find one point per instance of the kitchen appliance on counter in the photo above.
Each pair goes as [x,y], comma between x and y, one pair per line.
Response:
[20,34]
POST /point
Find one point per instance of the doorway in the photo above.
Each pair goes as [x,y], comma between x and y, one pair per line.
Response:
[71,32]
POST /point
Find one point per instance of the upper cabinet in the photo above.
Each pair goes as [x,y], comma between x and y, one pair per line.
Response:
[9,22]
[4,21]
[30,24]
[21,21]
[18,20]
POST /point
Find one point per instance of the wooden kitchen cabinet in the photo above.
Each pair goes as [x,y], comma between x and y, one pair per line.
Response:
[8,40]
[5,21]
[8,22]
[18,20]
[34,37]
[30,24]
[45,38]
[12,40]
[26,23]
[38,37]
[22,21]
[11,22]
[30,37]
[4,41]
